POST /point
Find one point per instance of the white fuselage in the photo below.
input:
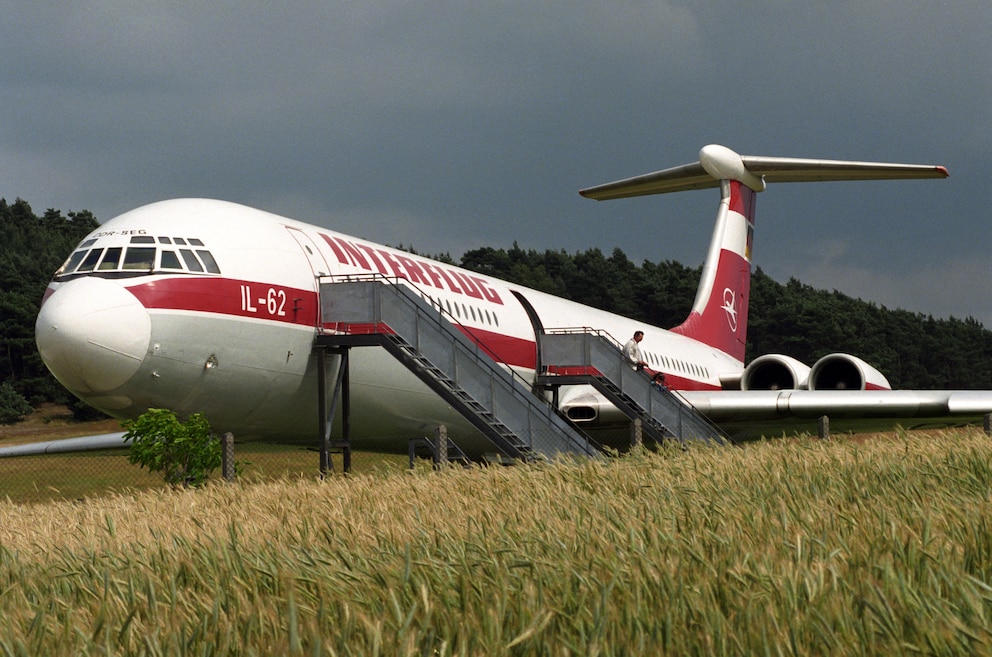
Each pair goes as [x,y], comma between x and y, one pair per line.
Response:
[126,331]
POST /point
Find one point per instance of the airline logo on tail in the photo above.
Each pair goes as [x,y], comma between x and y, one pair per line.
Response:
[728,307]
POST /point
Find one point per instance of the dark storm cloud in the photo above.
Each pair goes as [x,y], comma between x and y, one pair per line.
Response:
[447,126]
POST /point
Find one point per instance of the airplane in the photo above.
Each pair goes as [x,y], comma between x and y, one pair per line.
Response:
[200,305]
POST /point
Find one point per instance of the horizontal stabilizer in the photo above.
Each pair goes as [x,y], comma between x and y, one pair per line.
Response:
[719,163]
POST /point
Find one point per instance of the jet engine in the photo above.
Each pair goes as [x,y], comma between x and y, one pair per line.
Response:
[845,372]
[775,372]
[832,372]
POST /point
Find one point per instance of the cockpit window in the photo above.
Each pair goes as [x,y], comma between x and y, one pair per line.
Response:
[123,261]
[170,260]
[112,259]
[139,257]
[191,262]
[89,262]
[208,261]
[73,262]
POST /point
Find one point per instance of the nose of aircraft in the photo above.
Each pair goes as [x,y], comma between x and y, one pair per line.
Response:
[92,334]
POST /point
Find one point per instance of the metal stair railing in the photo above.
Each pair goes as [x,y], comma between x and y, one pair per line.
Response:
[371,310]
[586,355]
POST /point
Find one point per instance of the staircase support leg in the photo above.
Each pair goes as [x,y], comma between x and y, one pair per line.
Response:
[327,407]
[323,443]
[345,385]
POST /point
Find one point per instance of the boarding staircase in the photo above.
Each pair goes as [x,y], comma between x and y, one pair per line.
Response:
[375,311]
[587,356]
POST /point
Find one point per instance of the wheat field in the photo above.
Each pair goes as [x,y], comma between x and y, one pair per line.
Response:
[793,547]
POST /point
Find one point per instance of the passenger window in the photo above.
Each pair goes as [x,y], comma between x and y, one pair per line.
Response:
[111,259]
[91,259]
[191,262]
[139,257]
[170,260]
[209,262]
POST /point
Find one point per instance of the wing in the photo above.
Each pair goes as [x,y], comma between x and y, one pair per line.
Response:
[65,445]
[747,414]
[771,412]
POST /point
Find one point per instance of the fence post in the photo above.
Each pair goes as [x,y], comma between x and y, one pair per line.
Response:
[635,433]
[441,458]
[987,424]
[824,430]
[227,456]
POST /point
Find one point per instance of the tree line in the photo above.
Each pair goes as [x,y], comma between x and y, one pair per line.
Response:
[913,350]
[31,249]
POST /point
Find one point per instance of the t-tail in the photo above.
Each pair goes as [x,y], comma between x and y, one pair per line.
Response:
[719,314]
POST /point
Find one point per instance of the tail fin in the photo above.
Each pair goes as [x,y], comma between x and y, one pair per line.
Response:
[719,313]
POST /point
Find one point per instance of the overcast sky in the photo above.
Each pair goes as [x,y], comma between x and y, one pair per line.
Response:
[447,126]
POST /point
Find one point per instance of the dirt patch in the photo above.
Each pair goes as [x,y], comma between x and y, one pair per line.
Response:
[51,422]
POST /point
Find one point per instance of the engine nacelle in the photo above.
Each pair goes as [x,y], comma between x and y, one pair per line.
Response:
[845,372]
[775,372]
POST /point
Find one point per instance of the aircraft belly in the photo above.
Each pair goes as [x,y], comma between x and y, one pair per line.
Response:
[238,373]
[259,381]
[390,405]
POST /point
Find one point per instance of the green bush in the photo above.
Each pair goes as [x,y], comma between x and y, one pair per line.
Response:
[185,453]
[13,405]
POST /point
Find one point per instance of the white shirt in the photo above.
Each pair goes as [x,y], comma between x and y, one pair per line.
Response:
[632,351]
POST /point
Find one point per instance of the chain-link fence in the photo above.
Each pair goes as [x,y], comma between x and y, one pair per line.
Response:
[76,476]
[28,479]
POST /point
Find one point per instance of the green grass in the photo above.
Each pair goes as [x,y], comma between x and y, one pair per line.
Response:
[782,547]
[88,474]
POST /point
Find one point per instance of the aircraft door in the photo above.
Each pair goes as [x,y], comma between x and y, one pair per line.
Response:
[535,321]
[317,263]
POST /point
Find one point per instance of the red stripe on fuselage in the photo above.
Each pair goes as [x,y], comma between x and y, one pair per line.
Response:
[506,349]
[277,303]
[292,306]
